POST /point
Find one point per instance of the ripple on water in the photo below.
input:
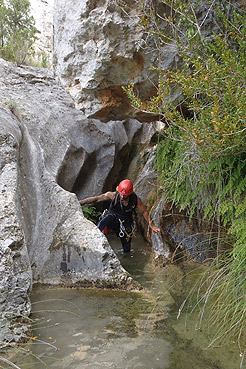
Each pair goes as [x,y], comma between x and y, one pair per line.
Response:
[92,329]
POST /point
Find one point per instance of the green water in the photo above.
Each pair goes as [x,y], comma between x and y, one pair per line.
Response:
[92,329]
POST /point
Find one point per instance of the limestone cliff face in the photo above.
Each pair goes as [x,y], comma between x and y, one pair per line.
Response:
[42,11]
[51,154]
[97,49]
[67,136]
[15,270]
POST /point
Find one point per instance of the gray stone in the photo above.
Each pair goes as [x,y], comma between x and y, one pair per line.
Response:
[51,154]
[55,143]
[42,11]
[146,186]
[189,238]
[15,276]
[98,47]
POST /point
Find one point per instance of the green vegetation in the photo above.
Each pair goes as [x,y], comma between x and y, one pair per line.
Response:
[43,57]
[91,213]
[17,30]
[202,153]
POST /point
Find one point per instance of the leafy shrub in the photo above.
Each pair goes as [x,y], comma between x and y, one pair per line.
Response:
[91,213]
[17,30]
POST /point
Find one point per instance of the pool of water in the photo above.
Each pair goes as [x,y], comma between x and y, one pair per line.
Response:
[94,329]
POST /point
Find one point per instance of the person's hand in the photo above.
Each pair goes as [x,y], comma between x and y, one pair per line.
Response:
[155,229]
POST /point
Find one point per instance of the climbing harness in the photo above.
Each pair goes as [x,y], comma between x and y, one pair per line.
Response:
[105,212]
[123,232]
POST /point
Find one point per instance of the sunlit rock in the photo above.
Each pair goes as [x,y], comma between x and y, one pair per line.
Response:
[42,11]
[98,47]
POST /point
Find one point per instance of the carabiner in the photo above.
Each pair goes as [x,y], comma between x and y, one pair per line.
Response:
[122,228]
[121,234]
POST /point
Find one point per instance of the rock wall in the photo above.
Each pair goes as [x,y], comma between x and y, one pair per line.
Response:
[97,49]
[42,11]
[146,186]
[51,154]
[15,270]
[60,155]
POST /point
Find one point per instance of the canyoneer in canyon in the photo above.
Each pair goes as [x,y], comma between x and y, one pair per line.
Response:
[119,216]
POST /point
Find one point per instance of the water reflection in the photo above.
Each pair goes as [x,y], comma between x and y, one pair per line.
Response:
[169,287]
[96,329]
[92,329]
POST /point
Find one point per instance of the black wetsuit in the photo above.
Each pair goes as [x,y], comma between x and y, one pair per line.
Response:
[119,214]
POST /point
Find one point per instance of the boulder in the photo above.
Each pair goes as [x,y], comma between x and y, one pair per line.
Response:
[98,47]
[60,153]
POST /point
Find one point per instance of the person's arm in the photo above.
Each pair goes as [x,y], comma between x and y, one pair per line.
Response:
[103,197]
[147,217]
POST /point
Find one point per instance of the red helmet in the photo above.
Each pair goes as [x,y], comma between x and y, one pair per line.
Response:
[125,187]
